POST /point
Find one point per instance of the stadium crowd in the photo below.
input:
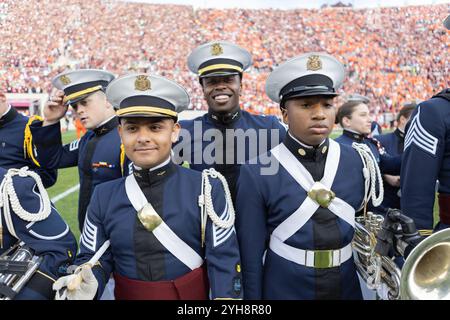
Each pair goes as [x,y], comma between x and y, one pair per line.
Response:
[387,56]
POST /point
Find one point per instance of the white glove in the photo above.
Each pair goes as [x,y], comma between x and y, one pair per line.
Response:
[79,286]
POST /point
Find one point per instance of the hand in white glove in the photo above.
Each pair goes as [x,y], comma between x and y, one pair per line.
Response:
[79,286]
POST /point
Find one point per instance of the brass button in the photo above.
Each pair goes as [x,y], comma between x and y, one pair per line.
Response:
[301,152]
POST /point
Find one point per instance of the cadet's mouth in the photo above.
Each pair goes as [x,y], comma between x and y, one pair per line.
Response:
[319,128]
[222,97]
[145,149]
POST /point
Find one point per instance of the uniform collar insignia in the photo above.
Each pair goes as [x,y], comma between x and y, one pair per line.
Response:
[304,152]
[225,119]
[146,178]
[107,127]
[358,137]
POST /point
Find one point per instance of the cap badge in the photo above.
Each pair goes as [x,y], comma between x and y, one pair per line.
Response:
[142,83]
[314,63]
[216,49]
[65,80]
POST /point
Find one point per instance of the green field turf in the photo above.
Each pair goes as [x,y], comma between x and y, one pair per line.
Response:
[68,178]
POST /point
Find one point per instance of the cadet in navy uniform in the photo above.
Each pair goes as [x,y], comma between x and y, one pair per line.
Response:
[393,144]
[98,153]
[354,118]
[375,129]
[239,135]
[160,233]
[426,159]
[27,216]
[295,225]
[14,152]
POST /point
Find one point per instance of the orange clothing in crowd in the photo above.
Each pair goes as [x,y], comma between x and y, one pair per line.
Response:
[81,130]
[391,55]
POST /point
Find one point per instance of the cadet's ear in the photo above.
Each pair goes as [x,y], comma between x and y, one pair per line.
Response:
[284,114]
[108,104]
[120,129]
[175,132]
[346,122]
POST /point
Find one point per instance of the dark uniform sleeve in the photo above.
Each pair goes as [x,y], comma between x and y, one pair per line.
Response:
[390,164]
[48,176]
[222,251]
[50,239]
[252,232]
[92,238]
[51,153]
[422,159]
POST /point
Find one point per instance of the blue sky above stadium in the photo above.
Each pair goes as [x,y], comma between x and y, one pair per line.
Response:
[289,4]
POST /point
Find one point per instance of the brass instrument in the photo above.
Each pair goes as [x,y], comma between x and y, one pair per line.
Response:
[426,271]
[17,266]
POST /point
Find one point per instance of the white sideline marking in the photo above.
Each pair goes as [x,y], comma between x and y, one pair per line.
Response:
[65,193]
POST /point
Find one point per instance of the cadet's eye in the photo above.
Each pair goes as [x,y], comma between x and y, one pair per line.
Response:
[131,128]
[155,127]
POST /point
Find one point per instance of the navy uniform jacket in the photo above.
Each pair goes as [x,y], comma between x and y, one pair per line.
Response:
[97,155]
[50,238]
[194,144]
[12,128]
[264,201]
[375,129]
[426,159]
[137,254]
[388,163]
[393,144]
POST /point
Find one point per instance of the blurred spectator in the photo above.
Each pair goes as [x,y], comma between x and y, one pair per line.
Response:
[392,54]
